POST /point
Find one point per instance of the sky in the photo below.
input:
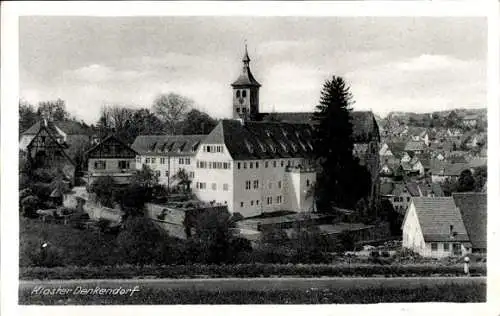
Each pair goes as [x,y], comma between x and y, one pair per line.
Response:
[417,64]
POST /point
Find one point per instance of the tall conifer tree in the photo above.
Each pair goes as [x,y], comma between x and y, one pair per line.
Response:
[333,145]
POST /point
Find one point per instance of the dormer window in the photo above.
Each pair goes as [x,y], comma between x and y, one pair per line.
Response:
[262,147]
[249,146]
[244,93]
[237,93]
[284,147]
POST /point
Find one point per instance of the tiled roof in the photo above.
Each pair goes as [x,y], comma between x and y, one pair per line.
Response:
[436,215]
[364,125]
[448,169]
[415,146]
[263,140]
[168,145]
[98,149]
[68,127]
[473,207]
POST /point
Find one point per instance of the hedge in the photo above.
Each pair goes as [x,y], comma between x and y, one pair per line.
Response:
[246,271]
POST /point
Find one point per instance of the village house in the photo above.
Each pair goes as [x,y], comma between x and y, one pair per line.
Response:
[46,150]
[442,171]
[111,157]
[433,227]
[74,137]
[415,147]
[166,155]
[473,208]
[470,120]
[401,194]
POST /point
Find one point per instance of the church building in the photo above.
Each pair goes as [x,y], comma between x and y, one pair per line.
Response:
[256,165]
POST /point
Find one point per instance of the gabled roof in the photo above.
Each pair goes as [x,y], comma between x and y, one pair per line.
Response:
[263,140]
[473,208]
[68,127]
[167,145]
[364,125]
[53,139]
[105,141]
[436,215]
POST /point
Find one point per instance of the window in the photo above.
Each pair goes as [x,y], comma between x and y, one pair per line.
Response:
[278,199]
[274,164]
[138,159]
[166,173]
[191,174]
[181,161]
[434,246]
[148,160]
[244,93]
[203,185]
[255,184]
[251,202]
[279,184]
[239,165]
[256,165]
[100,165]
[214,186]
[269,200]
[237,93]
[225,187]
[308,183]
[408,199]
[123,164]
[257,202]
[446,246]
[289,163]
[248,185]
[157,173]
[251,165]
[244,165]
[238,110]
[187,161]
[244,110]
[266,164]
[282,163]
[208,149]
[153,160]
[241,204]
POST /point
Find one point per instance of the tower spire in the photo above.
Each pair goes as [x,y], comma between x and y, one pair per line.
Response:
[246,58]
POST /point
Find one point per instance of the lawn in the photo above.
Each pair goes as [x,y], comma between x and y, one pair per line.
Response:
[151,295]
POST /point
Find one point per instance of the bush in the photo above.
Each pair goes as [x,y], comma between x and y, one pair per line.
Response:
[246,270]
[29,205]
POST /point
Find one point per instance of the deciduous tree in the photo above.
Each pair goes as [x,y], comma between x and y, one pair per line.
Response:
[172,109]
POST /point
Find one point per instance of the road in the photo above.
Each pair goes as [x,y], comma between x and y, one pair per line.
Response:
[227,284]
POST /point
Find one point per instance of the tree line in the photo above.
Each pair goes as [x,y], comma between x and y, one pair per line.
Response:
[169,114]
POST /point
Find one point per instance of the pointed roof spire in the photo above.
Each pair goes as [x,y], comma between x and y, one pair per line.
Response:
[246,58]
[246,78]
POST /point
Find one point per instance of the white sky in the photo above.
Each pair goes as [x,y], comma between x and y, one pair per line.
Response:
[392,63]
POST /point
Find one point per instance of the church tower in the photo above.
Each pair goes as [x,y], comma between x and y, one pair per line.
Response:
[246,93]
